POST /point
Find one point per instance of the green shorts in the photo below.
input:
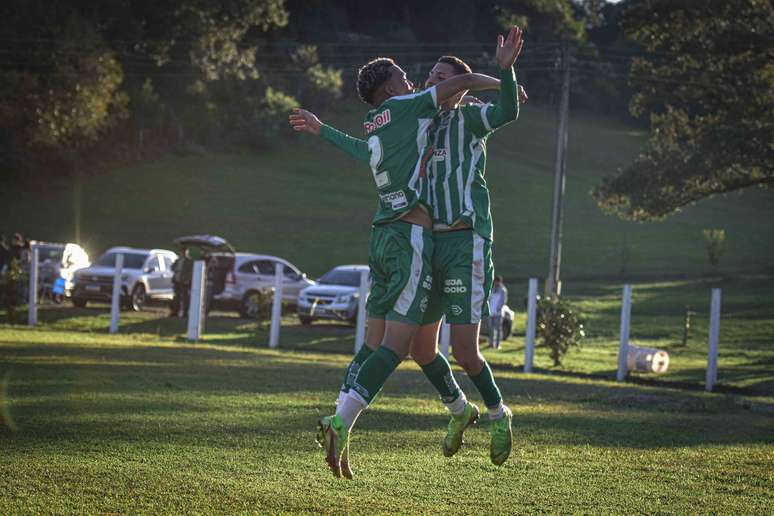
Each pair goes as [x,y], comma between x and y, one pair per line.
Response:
[463,273]
[399,256]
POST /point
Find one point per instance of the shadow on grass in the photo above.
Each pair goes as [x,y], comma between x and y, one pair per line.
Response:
[221,398]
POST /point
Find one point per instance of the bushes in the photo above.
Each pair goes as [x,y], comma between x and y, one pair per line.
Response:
[558,326]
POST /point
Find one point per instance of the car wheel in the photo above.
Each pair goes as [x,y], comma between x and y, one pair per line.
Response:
[138,298]
[251,305]
[306,321]
[507,328]
[79,303]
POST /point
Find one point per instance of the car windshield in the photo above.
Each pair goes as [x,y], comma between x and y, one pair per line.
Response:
[131,260]
[350,278]
[50,253]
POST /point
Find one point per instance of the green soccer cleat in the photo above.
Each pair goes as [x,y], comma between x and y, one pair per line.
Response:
[502,438]
[457,425]
[335,438]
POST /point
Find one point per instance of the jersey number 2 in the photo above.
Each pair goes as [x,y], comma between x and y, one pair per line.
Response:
[375,148]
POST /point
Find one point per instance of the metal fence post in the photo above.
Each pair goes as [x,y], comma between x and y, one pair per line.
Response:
[276,307]
[529,338]
[360,330]
[714,334]
[196,306]
[623,350]
[32,296]
[115,302]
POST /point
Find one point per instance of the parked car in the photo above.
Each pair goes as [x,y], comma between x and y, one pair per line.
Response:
[507,323]
[244,281]
[335,296]
[146,275]
[57,264]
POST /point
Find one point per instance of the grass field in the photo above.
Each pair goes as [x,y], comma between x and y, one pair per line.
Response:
[309,203]
[146,422]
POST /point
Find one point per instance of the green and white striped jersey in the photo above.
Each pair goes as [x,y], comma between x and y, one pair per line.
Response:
[396,135]
[456,189]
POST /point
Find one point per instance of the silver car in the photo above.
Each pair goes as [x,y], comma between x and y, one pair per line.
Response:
[251,275]
[146,275]
[335,296]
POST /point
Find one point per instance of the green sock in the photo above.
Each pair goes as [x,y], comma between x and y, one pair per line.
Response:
[352,369]
[440,375]
[374,372]
[485,383]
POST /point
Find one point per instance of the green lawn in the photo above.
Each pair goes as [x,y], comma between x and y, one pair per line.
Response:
[306,201]
[143,421]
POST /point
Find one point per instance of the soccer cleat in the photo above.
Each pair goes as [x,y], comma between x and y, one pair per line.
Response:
[502,438]
[457,425]
[335,439]
[346,470]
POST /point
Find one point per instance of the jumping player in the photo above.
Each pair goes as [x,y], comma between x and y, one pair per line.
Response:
[400,249]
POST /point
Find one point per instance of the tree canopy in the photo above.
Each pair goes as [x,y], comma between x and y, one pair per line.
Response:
[707,85]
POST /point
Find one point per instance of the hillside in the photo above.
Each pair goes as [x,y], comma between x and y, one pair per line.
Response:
[308,202]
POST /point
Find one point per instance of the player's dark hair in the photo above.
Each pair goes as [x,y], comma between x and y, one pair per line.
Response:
[455,62]
[499,278]
[372,75]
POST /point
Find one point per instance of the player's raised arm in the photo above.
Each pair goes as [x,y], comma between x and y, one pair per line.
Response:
[447,89]
[307,122]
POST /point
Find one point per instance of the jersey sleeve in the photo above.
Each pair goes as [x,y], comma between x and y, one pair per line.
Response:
[484,119]
[423,104]
[355,147]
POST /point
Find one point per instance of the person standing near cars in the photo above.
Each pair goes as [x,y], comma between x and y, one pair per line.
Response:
[181,282]
[497,300]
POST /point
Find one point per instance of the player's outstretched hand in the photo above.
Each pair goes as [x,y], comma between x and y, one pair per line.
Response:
[509,48]
[305,121]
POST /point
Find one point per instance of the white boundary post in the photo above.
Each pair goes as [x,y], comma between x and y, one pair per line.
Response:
[360,328]
[115,302]
[714,334]
[623,350]
[196,306]
[529,338]
[276,307]
[444,337]
[32,295]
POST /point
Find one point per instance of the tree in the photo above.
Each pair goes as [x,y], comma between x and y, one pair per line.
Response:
[708,87]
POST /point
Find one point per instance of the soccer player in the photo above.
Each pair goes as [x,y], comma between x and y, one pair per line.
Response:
[462,262]
[400,249]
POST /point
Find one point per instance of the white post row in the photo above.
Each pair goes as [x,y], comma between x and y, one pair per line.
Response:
[714,334]
[276,306]
[360,327]
[445,337]
[529,337]
[32,296]
[196,306]
[115,301]
[623,350]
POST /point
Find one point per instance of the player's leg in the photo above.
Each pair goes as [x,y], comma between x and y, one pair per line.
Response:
[466,296]
[401,252]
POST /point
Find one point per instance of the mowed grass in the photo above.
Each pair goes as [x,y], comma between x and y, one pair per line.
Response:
[306,201]
[143,421]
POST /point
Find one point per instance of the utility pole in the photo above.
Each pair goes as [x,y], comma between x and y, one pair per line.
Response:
[553,284]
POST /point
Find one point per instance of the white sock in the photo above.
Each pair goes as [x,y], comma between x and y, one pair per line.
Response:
[340,399]
[457,407]
[496,412]
[350,408]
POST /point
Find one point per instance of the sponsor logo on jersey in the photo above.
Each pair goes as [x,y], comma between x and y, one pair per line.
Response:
[456,309]
[428,283]
[439,154]
[423,304]
[380,120]
[454,286]
[396,200]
